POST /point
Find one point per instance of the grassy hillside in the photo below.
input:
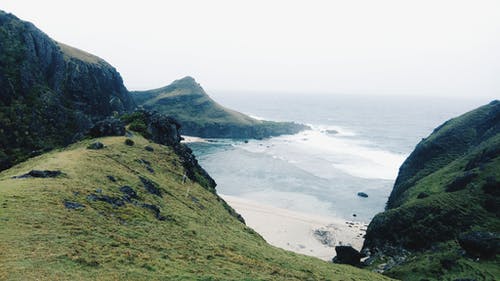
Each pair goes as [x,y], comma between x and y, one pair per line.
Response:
[449,187]
[201,116]
[124,213]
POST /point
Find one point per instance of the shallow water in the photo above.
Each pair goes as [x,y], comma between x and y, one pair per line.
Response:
[356,145]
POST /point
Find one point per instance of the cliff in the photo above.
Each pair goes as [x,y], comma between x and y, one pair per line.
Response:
[201,116]
[442,219]
[50,93]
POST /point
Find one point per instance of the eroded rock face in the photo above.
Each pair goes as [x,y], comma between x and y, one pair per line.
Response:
[50,93]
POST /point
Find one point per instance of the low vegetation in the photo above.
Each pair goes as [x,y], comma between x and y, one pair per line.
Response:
[127,213]
[448,188]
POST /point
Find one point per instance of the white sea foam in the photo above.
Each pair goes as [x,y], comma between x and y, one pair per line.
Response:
[317,151]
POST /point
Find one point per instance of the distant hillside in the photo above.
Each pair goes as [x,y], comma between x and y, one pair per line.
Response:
[124,212]
[50,93]
[201,116]
[444,210]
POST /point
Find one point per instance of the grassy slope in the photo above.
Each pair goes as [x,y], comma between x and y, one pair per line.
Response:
[72,52]
[42,240]
[201,116]
[187,101]
[429,226]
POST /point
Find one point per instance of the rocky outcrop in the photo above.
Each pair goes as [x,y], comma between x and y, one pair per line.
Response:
[50,93]
[347,255]
[107,127]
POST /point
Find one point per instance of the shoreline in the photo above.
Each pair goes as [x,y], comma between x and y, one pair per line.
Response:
[191,139]
[299,232]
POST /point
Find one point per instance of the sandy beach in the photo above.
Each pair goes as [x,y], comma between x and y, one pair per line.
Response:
[299,232]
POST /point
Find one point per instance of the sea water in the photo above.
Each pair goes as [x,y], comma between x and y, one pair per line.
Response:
[356,144]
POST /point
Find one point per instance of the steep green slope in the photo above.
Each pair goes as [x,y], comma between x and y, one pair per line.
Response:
[124,213]
[50,93]
[200,116]
[447,189]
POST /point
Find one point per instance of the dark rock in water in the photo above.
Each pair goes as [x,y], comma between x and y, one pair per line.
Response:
[96,145]
[111,178]
[40,174]
[347,255]
[246,141]
[151,186]
[129,192]
[129,142]
[107,127]
[116,202]
[362,194]
[149,148]
[422,195]
[155,209]
[354,215]
[73,205]
[480,244]
[332,132]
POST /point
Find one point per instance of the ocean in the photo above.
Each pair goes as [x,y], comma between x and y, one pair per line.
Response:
[356,144]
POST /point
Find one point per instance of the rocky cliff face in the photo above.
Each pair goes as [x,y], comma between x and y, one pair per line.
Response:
[50,93]
[447,189]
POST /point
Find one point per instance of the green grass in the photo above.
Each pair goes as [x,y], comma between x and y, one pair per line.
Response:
[42,240]
[429,227]
[74,53]
[201,116]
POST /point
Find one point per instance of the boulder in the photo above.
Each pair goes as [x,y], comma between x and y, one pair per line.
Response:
[107,127]
[73,205]
[40,174]
[480,244]
[129,193]
[129,142]
[96,145]
[347,255]
[150,186]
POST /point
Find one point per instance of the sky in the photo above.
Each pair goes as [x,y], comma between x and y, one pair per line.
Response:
[430,48]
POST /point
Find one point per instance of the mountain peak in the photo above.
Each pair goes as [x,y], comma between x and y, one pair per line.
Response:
[186,81]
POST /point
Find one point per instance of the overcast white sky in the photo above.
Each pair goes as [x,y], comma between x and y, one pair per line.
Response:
[391,47]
